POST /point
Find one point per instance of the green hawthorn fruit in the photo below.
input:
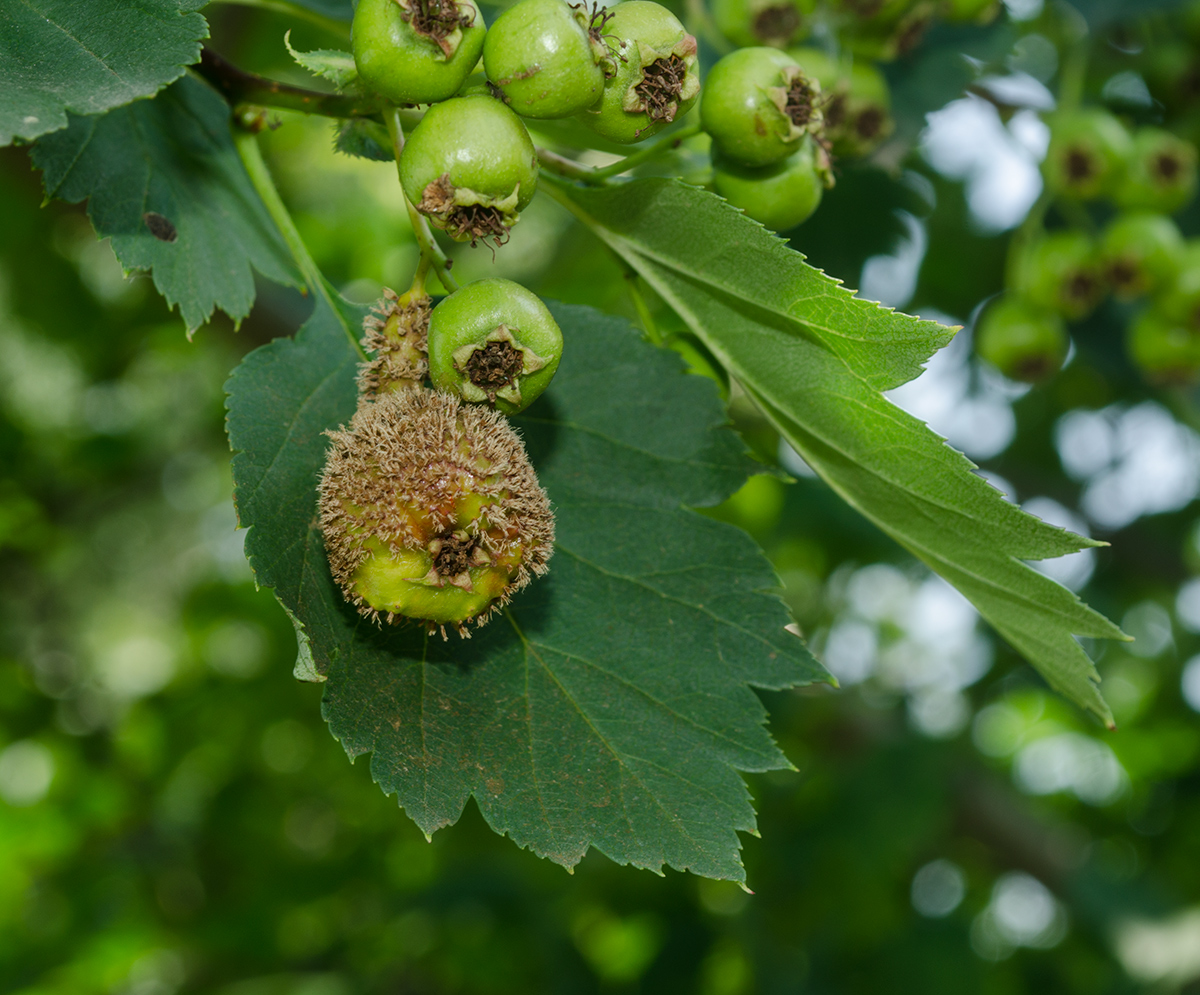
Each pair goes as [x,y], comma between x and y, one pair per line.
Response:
[1087,154]
[1180,299]
[1160,175]
[1059,271]
[1167,351]
[494,342]
[776,23]
[1022,341]
[656,77]
[757,105]
[431,510]
[470,167]
[547,57]
[857,103]
[781,195]
[1142,253]
[416,51]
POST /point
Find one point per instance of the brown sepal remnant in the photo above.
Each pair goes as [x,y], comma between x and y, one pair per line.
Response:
[495,366]
[477,222]
[399,477]
[396,334]
[662,82]
[437,20]
[802,101]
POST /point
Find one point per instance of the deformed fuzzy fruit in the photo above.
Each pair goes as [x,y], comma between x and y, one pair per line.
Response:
[1087,154]
[470,167]
[758,104]
[1142,252]
[494,342]
[396,336]
[416,51]
[1058,270]
[655,80]
[431,510]
[856,101]
[1022,341]
[781,195]
[775,23]
[1160,174]
[1166,350]
[547,57]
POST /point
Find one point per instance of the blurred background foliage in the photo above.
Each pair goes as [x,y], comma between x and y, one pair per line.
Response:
[175,818]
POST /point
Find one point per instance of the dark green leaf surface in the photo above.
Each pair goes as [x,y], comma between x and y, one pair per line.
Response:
[87,57]
[816,359]
[164,180]
[611,705]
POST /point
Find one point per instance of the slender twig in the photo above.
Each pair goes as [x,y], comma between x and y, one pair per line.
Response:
[599,175]
[260,177]
[241,87]
[430,250]
[339,28]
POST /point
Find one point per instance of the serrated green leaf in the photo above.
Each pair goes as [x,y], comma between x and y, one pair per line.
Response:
[611,705]
[332,64]
[364,138]
[815,358]
[87,57]
[163,179]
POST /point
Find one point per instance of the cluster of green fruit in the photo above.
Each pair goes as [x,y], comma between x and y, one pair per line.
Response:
[1054,276]
[430,508]
[470,165]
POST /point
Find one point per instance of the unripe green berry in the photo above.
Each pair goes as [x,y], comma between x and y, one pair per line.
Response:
[1160,174]
[546,57]
[656,77]
[777,23]
[494,342]
[1059,271]
[857,102]
[470,167]
[416,51]
[781,195]
[1087,154]
[1023,342]
[431,510]
[1142,253]
[1165,350]
[758,104]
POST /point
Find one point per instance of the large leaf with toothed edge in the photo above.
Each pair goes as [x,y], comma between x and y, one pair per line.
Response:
[816,359]
[610,706]
[88,56]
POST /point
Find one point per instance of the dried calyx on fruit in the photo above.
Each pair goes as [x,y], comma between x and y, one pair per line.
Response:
[431,510]
[396,336]
[655,80]
[470,167]
[855,101]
